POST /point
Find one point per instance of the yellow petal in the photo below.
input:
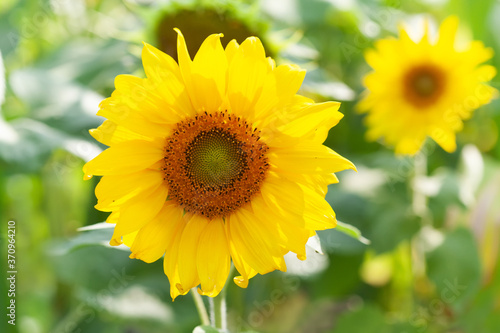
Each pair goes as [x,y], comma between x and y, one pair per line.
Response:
[374,59]
[445,139]
[130,238]
[152,239]
[242,280]
[246,271]
[114,190]
[231,49]
[120,113]
[318,214]
[136,99]
[309,158]
[188,249]
[213,260]
[408,146]
[447,33]
[318,183]
[284,197]
[161,101]
[259,249]
[477,54]
[166,81]
[139,210]
[185,62]
[158,65]
[246,75]
[313,121]
[271,64]
[302,205]
[205,76]
[110,133]
[280,87]
[113,217]
[486,72]
[294,237]
[124,158]
[171,263]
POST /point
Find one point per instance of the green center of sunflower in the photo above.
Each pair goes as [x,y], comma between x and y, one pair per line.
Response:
[214,158]
[214,164]
[423,85]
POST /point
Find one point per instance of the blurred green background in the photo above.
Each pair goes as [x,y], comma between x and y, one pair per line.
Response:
[432,263]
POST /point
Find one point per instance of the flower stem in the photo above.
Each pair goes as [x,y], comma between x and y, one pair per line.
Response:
[419,198]
[420,209]
[200,306]
[218,305]
[218,309]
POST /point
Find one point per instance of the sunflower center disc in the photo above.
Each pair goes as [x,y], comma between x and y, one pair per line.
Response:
[214,158]
[214,164]
[423,85]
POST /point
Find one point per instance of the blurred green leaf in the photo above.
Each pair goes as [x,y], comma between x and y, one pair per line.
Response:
[351,231]
[455,268]
[478,316]
[98,234]
[447,196]
[337,241]
[385,219]
[56,100]
[393,223]
[368,319]
[30,140]
[340,278]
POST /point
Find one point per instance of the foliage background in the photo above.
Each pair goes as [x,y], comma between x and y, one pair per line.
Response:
[432,264]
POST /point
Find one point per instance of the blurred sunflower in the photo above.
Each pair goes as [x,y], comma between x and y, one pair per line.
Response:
[424,88]
[214,159]
[234,22]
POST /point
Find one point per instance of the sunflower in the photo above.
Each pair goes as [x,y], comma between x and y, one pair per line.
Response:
[215,160]
[422,88]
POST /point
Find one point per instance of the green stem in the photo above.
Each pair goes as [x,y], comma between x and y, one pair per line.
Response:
[218,307]
[419,198]
[200,306]
[420,209]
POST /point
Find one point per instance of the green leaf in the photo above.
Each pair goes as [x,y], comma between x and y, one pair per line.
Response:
[26,139]
[337,241]
[351,231]
[205,329]
[97,234]
[41,90]
[454,267]
[368,319]
[343,270]
[478,316]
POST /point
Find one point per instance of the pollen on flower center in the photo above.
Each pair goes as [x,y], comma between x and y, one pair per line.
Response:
[214,164]
[423,85]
